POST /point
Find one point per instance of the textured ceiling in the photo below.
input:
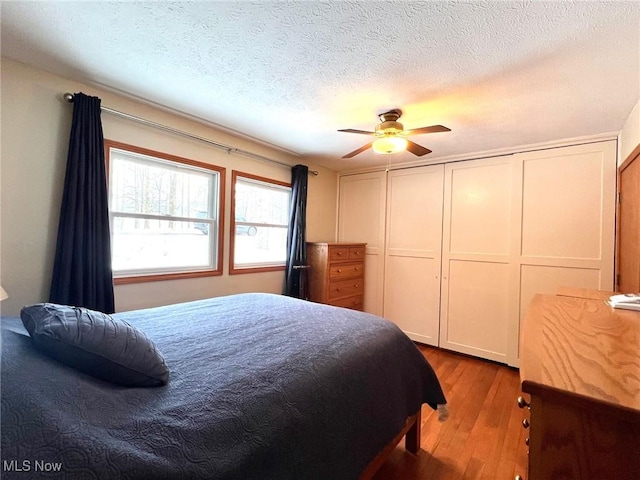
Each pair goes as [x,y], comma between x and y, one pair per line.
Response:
[499,74]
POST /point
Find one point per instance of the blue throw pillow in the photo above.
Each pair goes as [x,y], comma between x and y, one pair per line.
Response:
[96,344]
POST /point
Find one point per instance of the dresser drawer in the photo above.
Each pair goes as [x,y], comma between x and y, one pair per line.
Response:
[344,288]
[356,253]
[356,302]
[338,253]
[346,270]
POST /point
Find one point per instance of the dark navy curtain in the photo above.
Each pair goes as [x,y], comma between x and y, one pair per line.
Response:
[296,272]
[82,273]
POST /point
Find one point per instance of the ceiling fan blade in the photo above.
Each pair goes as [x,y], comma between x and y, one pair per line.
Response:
[360,150]
[351,130]
[431,129]
[416,149]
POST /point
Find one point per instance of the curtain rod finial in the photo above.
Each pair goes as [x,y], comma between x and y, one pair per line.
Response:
[68,97]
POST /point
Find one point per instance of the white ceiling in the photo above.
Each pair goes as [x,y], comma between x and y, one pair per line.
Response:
[498,73]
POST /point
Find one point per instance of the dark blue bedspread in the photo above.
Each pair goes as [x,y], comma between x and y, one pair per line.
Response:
[261,387]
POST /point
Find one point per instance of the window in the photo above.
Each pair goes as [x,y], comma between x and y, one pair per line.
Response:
[165,215]
[259,222]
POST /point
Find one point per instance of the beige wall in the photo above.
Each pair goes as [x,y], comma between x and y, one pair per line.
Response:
[35,124]
[630,134]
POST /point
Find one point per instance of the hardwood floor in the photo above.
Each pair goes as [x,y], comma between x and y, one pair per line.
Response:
[483,437]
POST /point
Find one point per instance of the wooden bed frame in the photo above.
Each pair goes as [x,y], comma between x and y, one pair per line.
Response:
[411,432]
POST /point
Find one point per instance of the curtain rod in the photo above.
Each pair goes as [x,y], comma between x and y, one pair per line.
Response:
[68,97]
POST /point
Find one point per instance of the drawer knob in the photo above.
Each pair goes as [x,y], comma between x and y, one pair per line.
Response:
[355,286]
[357,252]
[356,269]
[525,423]
[518,477]
[337,289]
[339,270]
[526,441]
[339,254]
[523,403]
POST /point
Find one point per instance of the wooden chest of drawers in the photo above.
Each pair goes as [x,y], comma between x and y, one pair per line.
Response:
[337,274]
[580,363]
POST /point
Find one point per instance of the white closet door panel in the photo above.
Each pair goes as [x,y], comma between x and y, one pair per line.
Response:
[548,279]
[361,218]
[567,210]
[480,208]
[477,309]
[361,209]
[412,296]
[414,251]
[562,204]
[415,209]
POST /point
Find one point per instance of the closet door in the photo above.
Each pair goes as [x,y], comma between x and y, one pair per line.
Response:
[413,251]
[477,268]
[361,218]
[568,219]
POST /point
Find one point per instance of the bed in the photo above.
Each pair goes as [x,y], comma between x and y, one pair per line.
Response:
[260,386]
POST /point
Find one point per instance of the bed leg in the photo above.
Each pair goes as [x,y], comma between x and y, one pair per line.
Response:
[412,439]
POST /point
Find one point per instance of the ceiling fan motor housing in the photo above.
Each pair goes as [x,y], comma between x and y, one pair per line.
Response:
[390,124]
[391,115]
[389,128]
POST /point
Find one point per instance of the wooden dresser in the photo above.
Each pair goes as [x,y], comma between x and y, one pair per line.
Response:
[336,276]
[580,364]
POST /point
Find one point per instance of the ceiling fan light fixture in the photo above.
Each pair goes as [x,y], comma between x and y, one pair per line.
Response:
[389,145]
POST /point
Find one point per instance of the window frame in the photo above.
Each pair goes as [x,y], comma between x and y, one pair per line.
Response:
[219,238]
[233,270]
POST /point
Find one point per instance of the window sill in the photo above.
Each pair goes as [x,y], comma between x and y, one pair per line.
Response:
[165,276]
[240,270]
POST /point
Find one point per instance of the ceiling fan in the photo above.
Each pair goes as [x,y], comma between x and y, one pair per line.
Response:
[390,136]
